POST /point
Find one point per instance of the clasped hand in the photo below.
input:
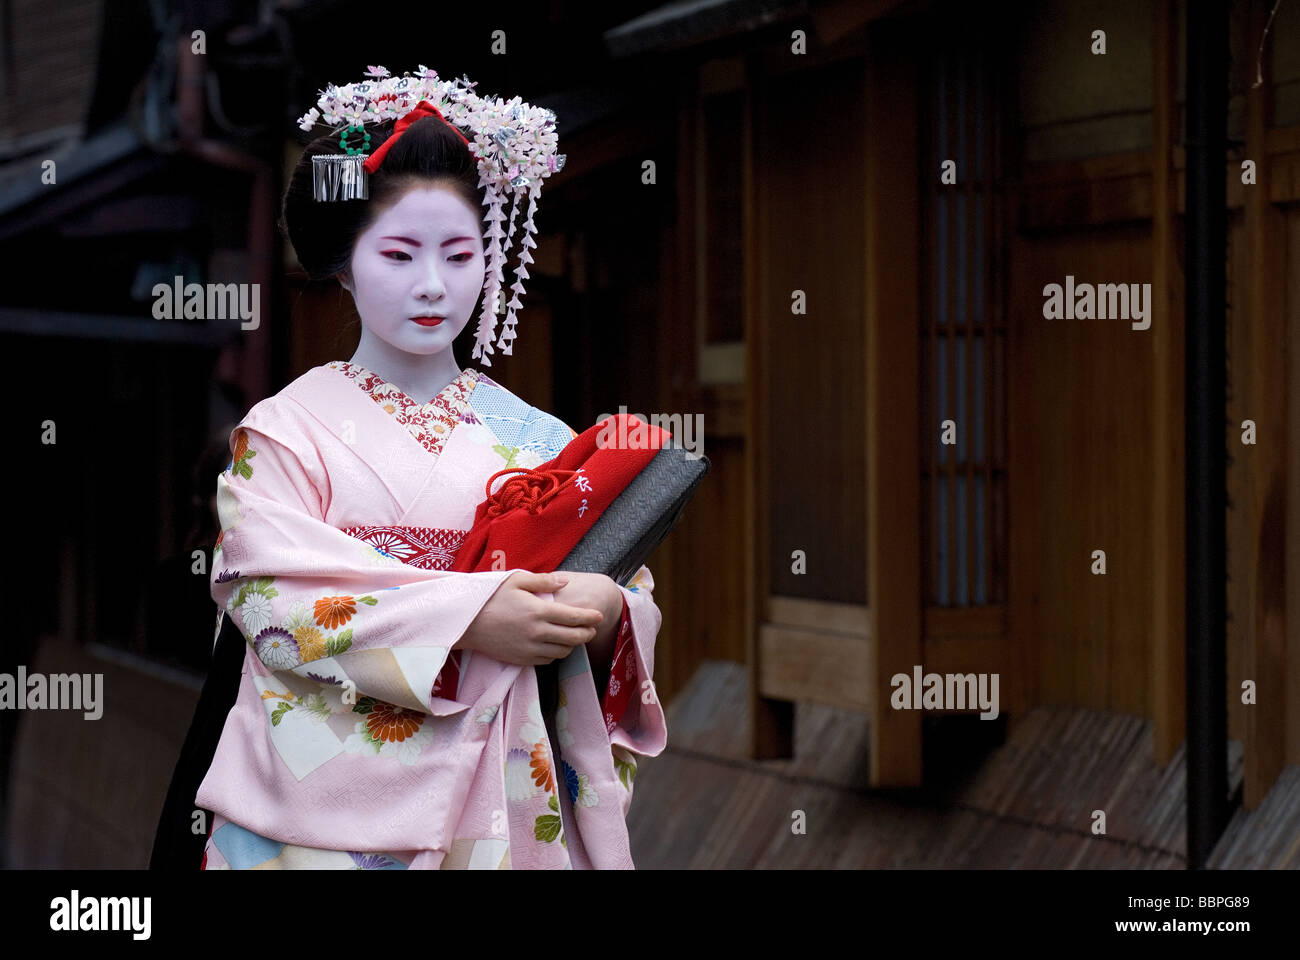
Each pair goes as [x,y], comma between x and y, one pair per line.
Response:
[517,626]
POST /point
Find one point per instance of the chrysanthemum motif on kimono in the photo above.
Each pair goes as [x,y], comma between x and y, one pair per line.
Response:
[313,705]
[277,648]
[302,635]
[562,733]
[253,601]
[309,637]
[519,775]
[239,465]
[388,730]
[373,861]
[577,786]
[549,827]
[625,764]
[227,510]
[530,774]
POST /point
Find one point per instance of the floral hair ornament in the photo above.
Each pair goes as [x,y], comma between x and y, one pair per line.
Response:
[513,142]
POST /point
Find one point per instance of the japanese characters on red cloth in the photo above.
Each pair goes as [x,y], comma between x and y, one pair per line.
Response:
[537,516]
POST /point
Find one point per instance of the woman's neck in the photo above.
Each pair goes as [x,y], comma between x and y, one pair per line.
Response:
[420,376]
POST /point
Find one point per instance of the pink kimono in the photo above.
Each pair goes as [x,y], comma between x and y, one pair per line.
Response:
[341,512]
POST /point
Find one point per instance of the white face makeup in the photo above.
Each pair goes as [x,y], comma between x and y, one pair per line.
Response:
[423,257]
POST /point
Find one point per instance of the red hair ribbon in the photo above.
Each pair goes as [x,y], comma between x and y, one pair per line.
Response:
[422,109]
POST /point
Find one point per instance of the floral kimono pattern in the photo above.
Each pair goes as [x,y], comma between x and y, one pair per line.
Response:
[360,739]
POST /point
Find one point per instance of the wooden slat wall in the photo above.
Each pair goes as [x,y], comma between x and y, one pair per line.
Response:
[1097,194]
[810,365]
[45,61]
[772,720]
[816,498]
[1081,407]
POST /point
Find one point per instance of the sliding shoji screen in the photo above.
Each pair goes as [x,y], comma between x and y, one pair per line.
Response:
[963,337]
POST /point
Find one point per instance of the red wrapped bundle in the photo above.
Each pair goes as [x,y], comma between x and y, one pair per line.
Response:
[539,515]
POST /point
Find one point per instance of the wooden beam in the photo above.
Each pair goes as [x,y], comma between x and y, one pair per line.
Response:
[1118,188]
[893,396]
[1016,599]
[819,666]
[973,640]
[837,19]
[1266,726]
[952,623]
[851,618]
[771,729]
[1167,693]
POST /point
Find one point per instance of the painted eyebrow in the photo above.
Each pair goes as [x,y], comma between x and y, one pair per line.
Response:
[416,243]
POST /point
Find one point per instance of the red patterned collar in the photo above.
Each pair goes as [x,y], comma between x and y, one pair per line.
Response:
[430,423]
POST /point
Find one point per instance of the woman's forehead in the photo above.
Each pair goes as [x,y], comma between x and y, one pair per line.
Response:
[429,209]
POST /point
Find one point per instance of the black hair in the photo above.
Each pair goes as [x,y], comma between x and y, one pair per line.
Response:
[324,233]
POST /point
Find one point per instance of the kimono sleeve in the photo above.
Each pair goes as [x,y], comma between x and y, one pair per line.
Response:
[314,601]
[634,717]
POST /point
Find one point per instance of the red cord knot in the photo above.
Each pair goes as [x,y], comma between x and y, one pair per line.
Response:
[530,488]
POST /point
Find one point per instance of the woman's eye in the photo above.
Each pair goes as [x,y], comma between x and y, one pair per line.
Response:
[467,256]
[394,254]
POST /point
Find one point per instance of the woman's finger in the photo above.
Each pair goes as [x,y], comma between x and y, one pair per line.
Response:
[549,652]
[538,582]
[568,637]
[566,615]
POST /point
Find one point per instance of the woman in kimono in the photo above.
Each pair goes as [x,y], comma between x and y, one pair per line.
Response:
[388,714]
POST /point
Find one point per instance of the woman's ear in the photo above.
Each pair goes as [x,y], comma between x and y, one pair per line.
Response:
[344,278]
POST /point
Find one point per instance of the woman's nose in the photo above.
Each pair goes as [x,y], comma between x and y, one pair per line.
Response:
[430,282]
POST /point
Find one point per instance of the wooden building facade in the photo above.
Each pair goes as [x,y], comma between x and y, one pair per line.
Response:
[847,306]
